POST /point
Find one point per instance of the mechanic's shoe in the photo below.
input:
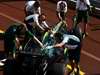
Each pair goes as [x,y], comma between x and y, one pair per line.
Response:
[1,64]
[14,55]
[84,35]
[3,60]
[77,73]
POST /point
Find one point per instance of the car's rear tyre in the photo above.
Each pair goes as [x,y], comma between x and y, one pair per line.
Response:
[56,69]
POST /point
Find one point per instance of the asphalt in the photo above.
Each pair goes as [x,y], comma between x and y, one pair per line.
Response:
[90,54]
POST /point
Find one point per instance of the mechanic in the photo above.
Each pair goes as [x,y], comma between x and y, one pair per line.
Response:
[73,43]
[32,7]
[61,9]
[11,39]
[82,10]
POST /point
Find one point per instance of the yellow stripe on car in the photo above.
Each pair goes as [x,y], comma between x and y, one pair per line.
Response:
[69,67]
[1,31]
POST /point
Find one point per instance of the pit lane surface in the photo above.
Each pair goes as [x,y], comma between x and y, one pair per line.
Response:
[90,54]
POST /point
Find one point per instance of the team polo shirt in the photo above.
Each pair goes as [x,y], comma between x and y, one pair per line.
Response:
[70,39]
[82,5]
[34,18]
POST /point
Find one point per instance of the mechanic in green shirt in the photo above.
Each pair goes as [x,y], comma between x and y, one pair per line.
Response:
[11,40]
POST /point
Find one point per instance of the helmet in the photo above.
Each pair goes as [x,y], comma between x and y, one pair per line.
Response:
[62,5]
[20,29]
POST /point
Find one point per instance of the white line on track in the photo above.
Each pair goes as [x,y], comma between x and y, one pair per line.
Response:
[83,51]
[90,55]
[11,18]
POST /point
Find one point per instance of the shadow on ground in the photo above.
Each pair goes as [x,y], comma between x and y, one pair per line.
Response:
[95,74]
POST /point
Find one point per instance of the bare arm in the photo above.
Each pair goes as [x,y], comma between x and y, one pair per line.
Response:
[39,10]
[37,23]
[59,45]
[17,42]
